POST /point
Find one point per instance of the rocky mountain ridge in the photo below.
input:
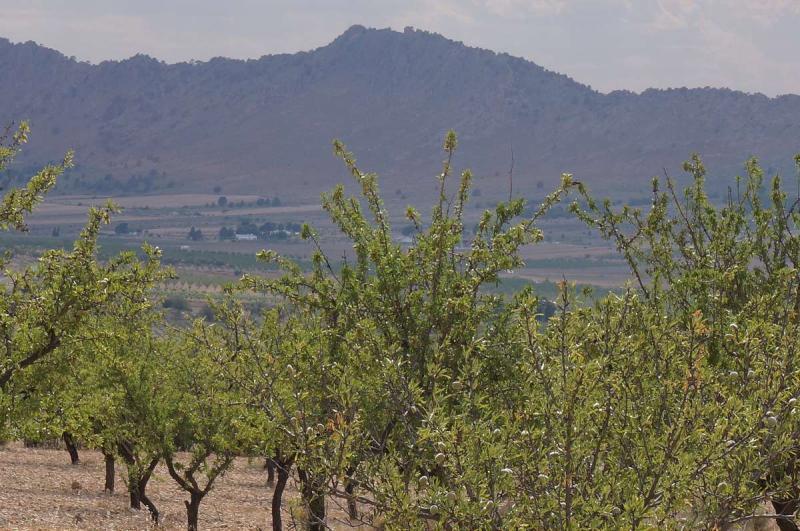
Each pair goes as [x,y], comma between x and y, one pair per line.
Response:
[257,126]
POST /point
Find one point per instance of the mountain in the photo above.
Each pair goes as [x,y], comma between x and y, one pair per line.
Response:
[264,126]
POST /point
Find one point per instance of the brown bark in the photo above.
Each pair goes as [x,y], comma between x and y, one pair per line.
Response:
[52,343]
[193,510]
[788,508]
[137,484]
[187,482]
[352,508]
[349,488]
[269,466]
[143,494]
[72,447]
[133,491]
[314,498]
[109,483]
[283,467]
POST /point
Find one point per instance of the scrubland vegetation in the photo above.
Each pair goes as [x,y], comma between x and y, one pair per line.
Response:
[395,383]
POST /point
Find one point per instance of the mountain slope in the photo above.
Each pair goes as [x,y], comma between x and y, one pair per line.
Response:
[261,126]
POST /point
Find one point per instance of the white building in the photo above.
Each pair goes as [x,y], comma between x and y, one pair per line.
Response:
[246,237]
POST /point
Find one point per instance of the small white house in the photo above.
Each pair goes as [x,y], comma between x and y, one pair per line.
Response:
[246,237]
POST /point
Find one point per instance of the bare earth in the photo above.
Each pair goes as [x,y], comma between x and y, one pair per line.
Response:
[37,493]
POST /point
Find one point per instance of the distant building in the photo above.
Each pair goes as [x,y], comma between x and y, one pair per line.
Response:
[246,237]
[185,247]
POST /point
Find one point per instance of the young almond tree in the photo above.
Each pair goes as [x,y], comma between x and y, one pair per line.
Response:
[715,318]
[668,404]
[45,306]
[198,423]
[397,328]
[298,402]
[101,386]
[252,360]
[114,397]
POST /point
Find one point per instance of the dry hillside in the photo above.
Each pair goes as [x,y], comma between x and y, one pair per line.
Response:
[265,125]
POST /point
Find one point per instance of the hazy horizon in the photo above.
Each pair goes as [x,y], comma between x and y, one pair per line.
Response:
[608,44]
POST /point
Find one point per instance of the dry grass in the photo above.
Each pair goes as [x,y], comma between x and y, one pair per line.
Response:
[41,490]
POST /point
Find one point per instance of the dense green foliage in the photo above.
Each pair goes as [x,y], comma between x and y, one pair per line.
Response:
[400,386]
[45,307]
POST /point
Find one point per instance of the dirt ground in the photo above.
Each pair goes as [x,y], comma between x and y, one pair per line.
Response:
[40,489]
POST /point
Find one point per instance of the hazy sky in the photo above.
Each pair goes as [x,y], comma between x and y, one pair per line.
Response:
[751,45]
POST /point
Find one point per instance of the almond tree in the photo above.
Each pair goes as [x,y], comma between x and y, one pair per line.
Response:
[45,306]
[670,401]
[107,393]
[124,382]
[198,422]
[51,309]
[298,403]
[380,338]
[715,318]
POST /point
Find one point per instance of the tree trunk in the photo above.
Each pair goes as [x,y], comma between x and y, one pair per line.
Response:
[269,466]
[137,484]
[283,466]
[143,486]
[72,447]
[316,506]
[349,488]
[133,480]
[788,508]
[109,486]
[133,490]
[314,498]
[193,510]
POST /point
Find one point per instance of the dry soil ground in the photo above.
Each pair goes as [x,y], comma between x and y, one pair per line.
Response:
[37,493]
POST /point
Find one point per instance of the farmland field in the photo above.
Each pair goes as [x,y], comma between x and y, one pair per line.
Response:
[41,490]
[569,250]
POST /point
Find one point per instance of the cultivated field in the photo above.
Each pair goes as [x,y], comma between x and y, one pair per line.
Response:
[41,490]
[569,251]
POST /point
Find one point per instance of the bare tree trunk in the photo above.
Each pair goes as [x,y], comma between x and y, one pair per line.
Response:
[143,486]
[109,484]
[133,480]
[788,508]
[284,467]
[269,466]
[314,498]
[137,484]
[133,490]
[72,447]
[193,510]
[349,488]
